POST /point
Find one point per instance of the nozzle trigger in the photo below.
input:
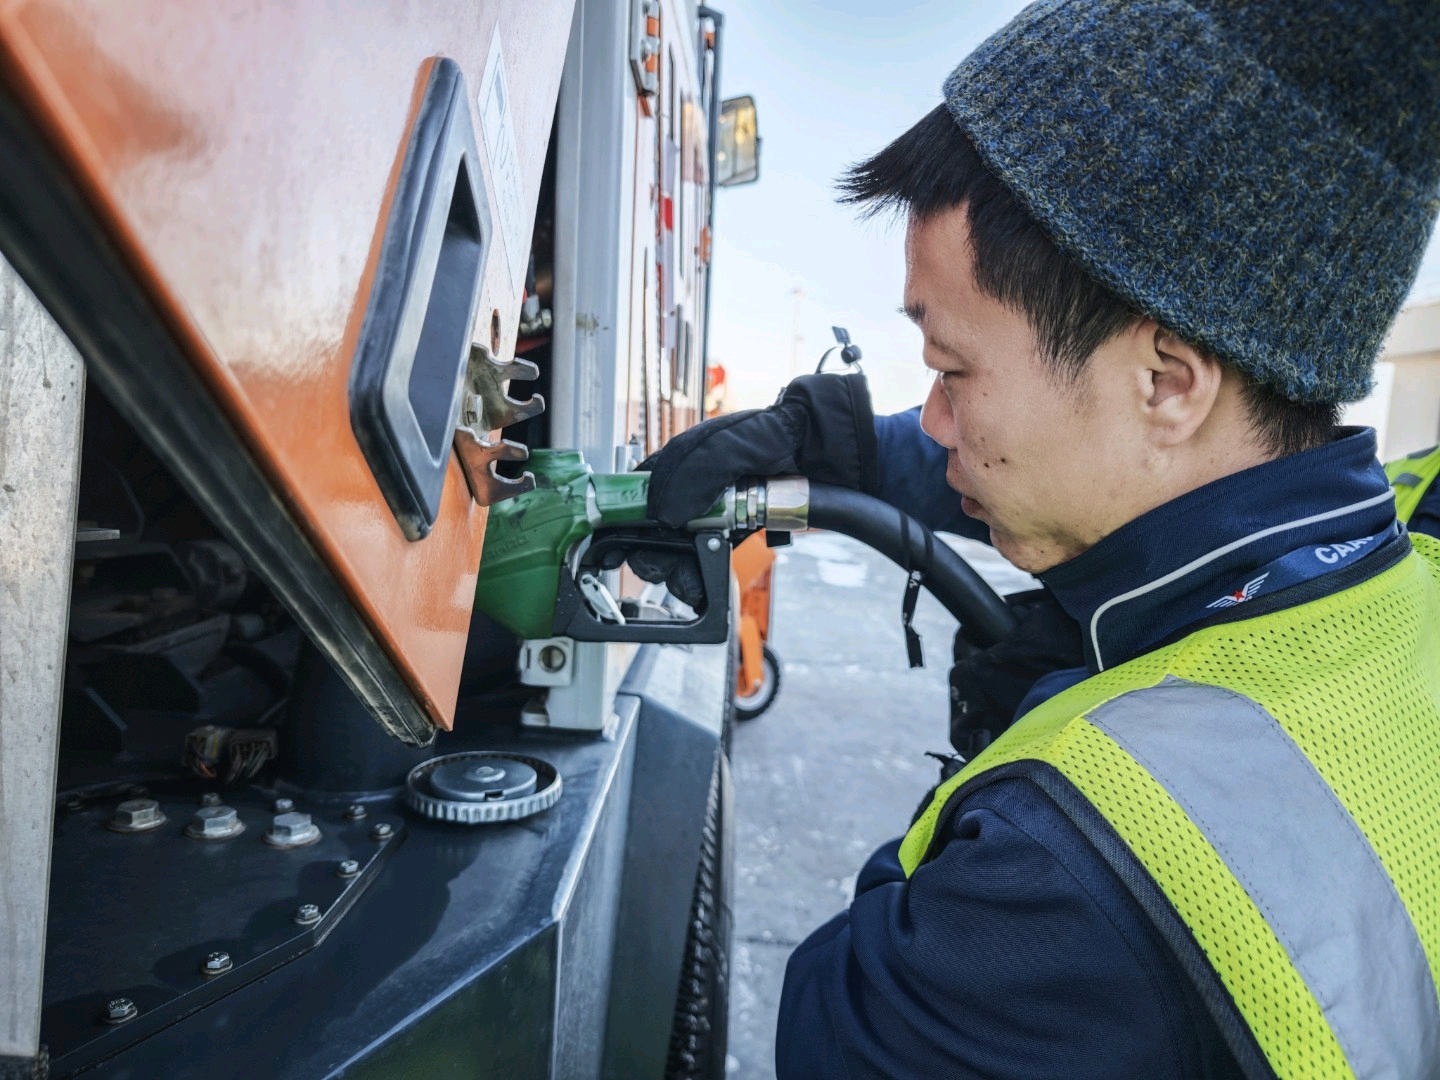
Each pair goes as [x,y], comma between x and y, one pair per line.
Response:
[605,605]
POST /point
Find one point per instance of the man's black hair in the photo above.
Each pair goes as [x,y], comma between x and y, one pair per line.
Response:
[934,167]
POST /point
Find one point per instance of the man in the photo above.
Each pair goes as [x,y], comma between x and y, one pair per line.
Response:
[1151,247]
[1417,493]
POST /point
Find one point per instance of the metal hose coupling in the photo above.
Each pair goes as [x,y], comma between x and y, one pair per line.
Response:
[778,503]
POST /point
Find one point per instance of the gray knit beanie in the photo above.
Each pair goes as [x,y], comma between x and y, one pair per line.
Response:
[1260,177]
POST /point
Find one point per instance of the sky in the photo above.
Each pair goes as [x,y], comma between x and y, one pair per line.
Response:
[833,82]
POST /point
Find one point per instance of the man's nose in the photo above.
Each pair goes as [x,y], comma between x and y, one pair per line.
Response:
[936,418]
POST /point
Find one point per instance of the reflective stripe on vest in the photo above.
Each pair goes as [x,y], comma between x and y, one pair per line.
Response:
[1411,478]
[1279,779]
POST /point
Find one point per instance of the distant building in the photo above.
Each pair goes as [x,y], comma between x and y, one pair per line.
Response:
[1404,407]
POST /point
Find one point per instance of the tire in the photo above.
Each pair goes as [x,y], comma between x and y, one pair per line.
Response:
[698,1037]
[748,708]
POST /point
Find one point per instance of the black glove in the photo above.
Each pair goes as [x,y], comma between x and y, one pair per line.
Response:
[987,685]
[680,571]
[821,427]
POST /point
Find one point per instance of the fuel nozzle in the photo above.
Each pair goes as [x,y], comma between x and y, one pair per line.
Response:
[543,569]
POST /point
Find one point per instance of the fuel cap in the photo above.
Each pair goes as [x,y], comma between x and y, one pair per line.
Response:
[481,786]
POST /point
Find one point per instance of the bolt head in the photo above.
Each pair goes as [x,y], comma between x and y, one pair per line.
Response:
[137,815]
[210,798]
[306,914]
[284,806]
[713,543]
[214,823]
[118,1010]
[292,829]
[217,963]
[382,831]
[354,812]
[348,868]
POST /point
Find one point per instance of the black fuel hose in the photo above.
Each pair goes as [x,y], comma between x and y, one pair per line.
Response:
[908,544]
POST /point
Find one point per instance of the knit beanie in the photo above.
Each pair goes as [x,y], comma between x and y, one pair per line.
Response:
[1259,176]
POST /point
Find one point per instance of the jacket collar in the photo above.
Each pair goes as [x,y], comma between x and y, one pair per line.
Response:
[1298,517]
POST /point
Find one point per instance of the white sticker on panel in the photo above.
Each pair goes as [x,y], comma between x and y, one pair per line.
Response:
[499,131]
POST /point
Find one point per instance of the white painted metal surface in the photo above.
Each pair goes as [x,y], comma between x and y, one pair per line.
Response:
[595,178]
[42,387]
[630,189]
[1404,408]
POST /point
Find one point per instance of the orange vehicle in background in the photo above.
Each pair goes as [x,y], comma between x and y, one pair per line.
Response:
[757,674]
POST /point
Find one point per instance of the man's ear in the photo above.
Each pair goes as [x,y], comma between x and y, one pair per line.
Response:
[1183,384]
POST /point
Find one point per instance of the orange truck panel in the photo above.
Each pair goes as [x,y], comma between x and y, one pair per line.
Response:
[242,156]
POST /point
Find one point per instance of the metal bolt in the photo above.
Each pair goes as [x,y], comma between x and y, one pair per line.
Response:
[217,963]
[348,869]
[292,830]
[118,1010]
[354,812]
[284,806]
[381,831]
[307,914]
[214,823]
[210,798]
[74,804]
[713,543]
[552,658]
[136,815]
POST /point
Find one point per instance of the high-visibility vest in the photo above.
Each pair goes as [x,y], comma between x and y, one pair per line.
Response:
[1412,477]
[1278,779]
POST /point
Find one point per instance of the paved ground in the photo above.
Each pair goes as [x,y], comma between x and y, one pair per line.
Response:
[837,765]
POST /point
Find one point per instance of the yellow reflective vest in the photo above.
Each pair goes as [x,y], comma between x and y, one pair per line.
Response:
[1273,785]
[1412,477]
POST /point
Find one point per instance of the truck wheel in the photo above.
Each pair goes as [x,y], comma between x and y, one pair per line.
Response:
[702,1007]
[752,705]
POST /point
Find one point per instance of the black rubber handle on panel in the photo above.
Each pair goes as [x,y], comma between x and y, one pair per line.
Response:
[408,375]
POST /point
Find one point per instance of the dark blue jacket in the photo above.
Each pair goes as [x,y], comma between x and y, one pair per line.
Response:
[1019,952]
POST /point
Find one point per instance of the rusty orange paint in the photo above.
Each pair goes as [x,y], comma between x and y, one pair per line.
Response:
[241,157]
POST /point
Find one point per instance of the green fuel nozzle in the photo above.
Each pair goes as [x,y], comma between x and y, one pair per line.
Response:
[540,573]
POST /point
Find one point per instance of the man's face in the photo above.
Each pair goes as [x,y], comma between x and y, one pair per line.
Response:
[1050,464]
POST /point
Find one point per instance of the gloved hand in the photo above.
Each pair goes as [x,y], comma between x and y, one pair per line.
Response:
[679,571]
[988,685]
[822,427]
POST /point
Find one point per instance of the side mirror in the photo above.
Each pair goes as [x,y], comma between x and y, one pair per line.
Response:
[737,157]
